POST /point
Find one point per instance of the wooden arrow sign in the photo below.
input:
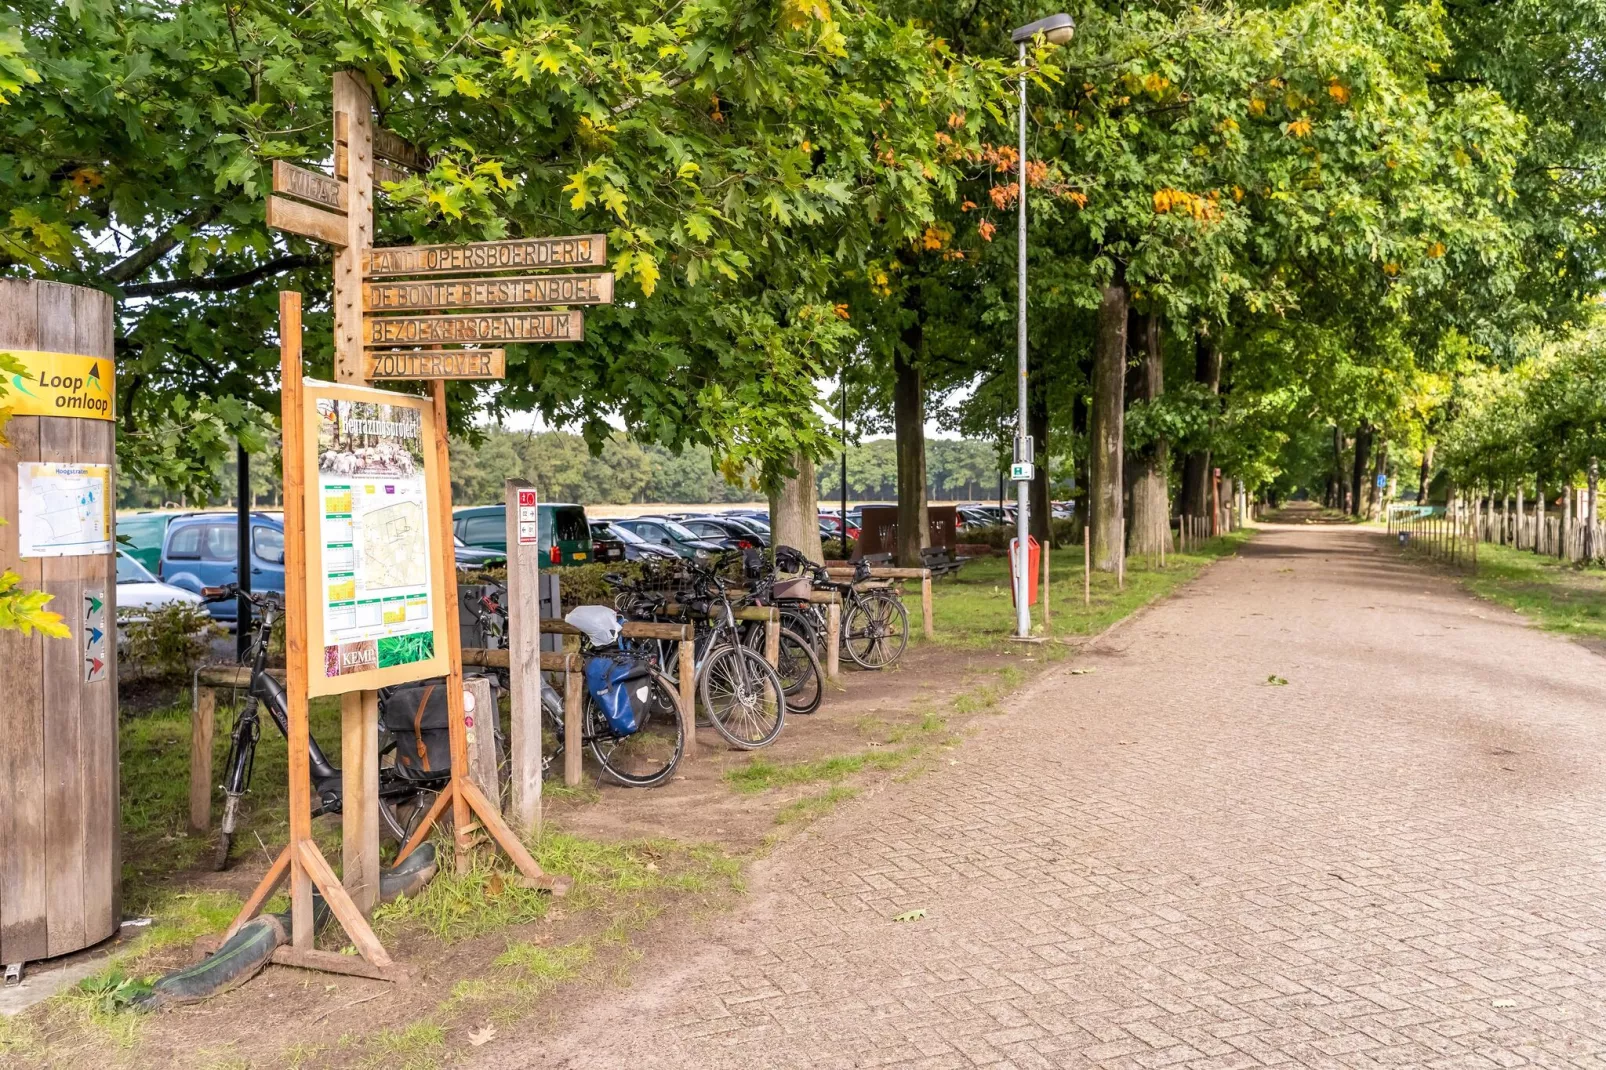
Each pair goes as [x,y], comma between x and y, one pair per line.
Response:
[307,221]
[309,186]
[583,250]
[435,364]
[446,330]
[533,291]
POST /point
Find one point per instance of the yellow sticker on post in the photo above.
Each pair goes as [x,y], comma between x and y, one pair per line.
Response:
[60,384]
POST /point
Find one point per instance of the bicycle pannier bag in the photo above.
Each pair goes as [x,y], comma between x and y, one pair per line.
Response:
[415,714]
[621,686]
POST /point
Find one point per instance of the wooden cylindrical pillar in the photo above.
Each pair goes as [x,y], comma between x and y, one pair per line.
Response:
[59,856]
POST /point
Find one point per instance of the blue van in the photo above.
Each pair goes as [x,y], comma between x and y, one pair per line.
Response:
[202,550]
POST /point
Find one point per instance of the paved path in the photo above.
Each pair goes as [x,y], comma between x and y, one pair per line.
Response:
[1398,859]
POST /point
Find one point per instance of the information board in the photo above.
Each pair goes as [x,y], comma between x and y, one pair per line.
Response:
[374,539]
[63,510]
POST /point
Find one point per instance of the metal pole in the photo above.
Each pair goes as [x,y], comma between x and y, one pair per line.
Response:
[1023,615]
[242,519]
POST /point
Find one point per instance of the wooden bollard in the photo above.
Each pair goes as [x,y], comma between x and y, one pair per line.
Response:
[925,605]
[1047,612]
[686,669]
[772,638]
[1087,568]
[833,640]
[201,728]
[572,731]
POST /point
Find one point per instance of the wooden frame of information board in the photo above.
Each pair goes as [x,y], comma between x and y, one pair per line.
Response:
[438,531]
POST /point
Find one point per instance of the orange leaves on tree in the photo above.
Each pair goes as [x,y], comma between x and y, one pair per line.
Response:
[1391,269]
[1436,250]
[1004,196]
[936,236]
[841,311]
[714,112]
[1078,198]
[967,206]
[1169,201]
[1257,107]
[1338,91]
[1036,172]
[1299,128]
[986,230]
[956,120]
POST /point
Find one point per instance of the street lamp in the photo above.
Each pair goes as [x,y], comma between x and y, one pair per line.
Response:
[1056,30]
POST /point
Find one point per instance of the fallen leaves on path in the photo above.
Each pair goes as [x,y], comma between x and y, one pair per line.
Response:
[1276,681]
[481,1037]
[910,915]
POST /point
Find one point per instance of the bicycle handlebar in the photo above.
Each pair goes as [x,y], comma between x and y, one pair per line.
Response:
[260,599]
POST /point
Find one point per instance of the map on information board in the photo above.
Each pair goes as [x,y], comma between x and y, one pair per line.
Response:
[373,530]
[64,510]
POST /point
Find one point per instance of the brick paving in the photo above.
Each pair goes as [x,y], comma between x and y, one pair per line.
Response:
[1395,860]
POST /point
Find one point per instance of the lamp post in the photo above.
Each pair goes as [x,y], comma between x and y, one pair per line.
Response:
[1056,30]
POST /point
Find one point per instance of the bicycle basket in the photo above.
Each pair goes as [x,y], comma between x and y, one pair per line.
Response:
[620,684]
[798,588]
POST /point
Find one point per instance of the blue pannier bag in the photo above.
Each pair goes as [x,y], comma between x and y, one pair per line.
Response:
[621,686]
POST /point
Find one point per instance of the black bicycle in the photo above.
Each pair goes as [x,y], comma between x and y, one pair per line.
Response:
[405,795]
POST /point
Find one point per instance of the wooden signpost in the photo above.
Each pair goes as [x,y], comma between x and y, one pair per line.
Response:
[390,329]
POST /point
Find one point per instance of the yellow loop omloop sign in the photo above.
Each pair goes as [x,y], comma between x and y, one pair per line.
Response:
[59,384]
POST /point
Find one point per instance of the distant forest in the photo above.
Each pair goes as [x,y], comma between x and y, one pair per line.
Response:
[563,469]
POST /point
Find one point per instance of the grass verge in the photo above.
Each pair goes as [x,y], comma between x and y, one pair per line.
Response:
[1558,596]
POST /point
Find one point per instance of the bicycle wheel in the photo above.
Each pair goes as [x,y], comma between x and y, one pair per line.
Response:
[648,755]
[742,695]
[875,630]
[402,806]
[802,679]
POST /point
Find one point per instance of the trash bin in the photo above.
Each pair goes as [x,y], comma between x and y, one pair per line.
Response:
[1034,559]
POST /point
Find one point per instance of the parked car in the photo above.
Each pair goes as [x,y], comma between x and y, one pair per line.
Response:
[138,590]
[565,536]
[141,534]
[722,528]
[202,550]
[605,548]
[831,524]
[472,557]
[636,548]
[661,531]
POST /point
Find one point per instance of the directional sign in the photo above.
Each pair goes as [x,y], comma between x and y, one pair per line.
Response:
[444,330]
[388,145]
[94,632]
[435,364]
[584,250]
[535,290]
[308,186]
[383,172]
[309,222]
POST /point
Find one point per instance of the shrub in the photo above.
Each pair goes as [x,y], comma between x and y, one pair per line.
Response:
[169,641]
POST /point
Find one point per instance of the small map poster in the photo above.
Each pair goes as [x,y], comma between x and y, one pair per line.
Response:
[371,532]
[64,510]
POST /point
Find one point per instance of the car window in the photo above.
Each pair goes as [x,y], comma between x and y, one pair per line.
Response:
[186,542]
[570,523]
[678,530]
[222,543]
[623,534]
[652,532]
[702,527]
[268,545]
[131,571]
[483,529]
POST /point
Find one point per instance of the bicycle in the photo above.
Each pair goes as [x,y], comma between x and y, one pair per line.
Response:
[644,752]
[403,799]
[797,663]
[875,623]
[742,694]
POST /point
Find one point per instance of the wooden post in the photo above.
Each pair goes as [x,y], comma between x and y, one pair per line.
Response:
[833,640]
[524,660]
[202,716]
[1087,568]
[484,756]
[686,669]
[572,742]
[772,637]
[1048,614]
[925,605]
[359,710]
[295,600]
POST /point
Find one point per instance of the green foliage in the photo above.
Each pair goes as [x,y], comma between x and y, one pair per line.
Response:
[167,642]
[24,611]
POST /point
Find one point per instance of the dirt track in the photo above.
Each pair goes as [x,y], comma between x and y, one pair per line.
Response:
[1394,859]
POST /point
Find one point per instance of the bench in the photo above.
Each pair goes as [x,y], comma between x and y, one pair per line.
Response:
[941,561]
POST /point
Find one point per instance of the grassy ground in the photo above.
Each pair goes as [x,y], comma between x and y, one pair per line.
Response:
[1558,596]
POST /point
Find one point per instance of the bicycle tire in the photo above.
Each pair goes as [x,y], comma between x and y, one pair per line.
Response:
[875,624]
[802,678]
[400,815]
[665,694]
[748,689]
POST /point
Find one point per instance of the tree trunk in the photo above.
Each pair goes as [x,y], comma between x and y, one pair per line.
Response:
[1363,450]
[1196,464]
[1042,517]
[1426,475]
[795,512]
[1151,506]
[1108,423]
[1335,478]
[909,418]
[1374,493]
[1592,515]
